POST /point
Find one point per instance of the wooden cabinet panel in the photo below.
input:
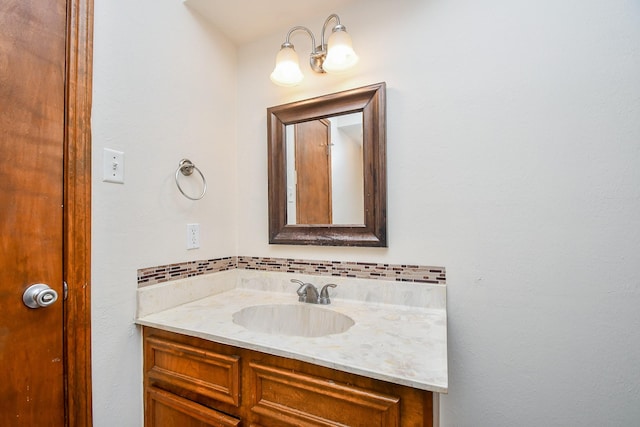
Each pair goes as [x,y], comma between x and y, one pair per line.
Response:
[289,398]
[194,382]
[203,372]
[169,410]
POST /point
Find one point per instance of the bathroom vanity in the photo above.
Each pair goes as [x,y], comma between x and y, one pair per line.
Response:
[225,359]
[191,381]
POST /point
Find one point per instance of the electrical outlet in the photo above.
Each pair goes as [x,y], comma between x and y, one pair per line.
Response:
[113,166]
[193,236]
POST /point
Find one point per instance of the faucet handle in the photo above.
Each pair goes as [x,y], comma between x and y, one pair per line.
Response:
[324,294]
[302,291]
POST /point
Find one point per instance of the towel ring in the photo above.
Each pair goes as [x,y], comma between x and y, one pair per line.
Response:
[186,167]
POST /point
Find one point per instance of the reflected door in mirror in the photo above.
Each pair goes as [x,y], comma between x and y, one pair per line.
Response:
[325,178]
[313,172]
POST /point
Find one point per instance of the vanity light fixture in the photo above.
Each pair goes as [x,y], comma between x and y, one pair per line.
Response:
[332,57]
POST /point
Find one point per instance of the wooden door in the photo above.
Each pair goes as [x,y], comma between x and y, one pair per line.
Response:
[313,172]
[32,125]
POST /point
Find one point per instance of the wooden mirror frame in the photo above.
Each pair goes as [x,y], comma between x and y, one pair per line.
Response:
[371,101]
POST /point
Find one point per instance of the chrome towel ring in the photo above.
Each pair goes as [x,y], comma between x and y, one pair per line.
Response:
[186,167]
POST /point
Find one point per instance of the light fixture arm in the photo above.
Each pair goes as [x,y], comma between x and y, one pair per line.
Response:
[318,53]
[287,42]
[324,27]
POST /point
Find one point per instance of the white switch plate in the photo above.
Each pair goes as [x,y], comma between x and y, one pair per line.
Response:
[113,166]
[193,236]
[290,197]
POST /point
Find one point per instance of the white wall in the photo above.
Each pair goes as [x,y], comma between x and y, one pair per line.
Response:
[514,161]
[164,89]
[347,174]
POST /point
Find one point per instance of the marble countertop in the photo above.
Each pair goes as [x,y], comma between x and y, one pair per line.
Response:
[398,343]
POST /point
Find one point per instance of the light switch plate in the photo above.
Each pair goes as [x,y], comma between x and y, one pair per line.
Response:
[113,166]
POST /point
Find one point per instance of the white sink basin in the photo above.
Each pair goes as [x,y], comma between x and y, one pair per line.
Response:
[301,320]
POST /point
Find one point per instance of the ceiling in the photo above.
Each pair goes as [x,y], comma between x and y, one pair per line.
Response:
[244,21]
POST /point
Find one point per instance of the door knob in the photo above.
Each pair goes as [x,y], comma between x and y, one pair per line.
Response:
[39,295]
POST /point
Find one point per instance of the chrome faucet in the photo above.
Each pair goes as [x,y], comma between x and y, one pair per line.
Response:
[309,293]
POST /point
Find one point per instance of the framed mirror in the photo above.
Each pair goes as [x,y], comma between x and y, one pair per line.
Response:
[327,169]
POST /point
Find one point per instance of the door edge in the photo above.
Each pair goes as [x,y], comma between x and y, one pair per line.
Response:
[77,213]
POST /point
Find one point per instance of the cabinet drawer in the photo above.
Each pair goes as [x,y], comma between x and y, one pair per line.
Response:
[193,369]
[288,398]
[169,410]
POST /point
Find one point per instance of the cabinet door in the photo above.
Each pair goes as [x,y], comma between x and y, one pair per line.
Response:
[287,398]
[193,369]
[165,409]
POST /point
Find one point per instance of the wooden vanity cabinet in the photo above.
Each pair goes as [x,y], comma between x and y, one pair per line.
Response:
[194,382]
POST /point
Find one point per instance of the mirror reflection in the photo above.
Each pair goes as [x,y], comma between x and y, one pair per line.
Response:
[325,181]
[327,169]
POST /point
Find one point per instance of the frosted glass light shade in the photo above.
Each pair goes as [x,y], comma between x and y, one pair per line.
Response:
[340,54]
[287,71]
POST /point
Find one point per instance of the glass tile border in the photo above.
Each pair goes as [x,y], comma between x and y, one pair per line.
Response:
[361,270]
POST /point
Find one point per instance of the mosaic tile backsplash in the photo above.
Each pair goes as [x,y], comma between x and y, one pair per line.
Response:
[362,270]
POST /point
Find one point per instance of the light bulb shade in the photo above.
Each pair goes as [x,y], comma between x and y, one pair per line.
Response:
[287,71]
[340,54]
